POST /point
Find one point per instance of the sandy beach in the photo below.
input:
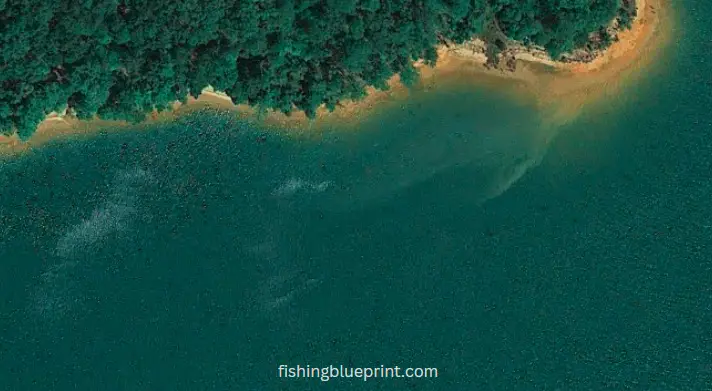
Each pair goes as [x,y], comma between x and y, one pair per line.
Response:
[560,89]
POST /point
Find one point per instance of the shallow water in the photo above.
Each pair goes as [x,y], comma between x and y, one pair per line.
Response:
[452,231]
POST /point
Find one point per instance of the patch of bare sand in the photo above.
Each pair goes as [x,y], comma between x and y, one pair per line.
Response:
[563,89]
[627,60]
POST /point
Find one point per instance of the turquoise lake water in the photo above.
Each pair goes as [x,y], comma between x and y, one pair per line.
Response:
[448,232]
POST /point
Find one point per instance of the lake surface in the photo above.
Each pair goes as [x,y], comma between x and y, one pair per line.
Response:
[450,231]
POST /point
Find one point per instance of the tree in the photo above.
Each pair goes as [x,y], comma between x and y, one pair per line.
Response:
[123,58]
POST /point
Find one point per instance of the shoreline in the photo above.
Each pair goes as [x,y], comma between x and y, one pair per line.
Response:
[560,88]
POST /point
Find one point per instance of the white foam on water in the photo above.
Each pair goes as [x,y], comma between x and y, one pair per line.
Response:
[112,216]
[57,294]
[282,289]
[104,220]
[294,185]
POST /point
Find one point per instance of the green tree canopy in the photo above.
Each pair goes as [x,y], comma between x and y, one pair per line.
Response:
[122,58]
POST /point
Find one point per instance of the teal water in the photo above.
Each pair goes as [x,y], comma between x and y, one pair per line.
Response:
[449,232]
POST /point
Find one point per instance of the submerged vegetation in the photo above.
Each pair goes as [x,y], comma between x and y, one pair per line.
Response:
[123,58]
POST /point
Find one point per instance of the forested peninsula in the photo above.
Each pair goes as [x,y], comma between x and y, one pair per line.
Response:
[121,59]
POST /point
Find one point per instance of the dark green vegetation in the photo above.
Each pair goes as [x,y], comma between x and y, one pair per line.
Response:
[122,58]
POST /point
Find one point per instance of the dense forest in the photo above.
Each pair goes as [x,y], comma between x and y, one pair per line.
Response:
[122,58]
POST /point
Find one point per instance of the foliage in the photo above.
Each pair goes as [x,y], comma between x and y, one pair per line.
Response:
[122,58]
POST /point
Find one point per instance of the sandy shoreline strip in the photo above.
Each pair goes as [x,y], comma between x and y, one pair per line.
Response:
[567,89]
[628,40]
